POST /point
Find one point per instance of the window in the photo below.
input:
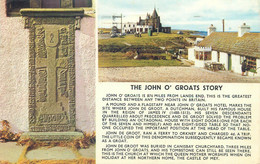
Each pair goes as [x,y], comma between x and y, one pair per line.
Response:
[251,62]
[207,56]
[200,56]
[13,6]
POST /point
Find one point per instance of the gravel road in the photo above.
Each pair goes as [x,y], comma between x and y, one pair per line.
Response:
[171,74]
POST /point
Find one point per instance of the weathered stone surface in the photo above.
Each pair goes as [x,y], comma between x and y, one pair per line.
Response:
[35,3]
[51,73]
[52,12]
[10,151]
[89,152]
[57,153]
[66,3]
[52,136]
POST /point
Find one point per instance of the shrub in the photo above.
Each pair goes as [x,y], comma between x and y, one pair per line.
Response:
[252,70]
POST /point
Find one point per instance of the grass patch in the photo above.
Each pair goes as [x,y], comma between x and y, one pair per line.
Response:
[118,59]
[158,40]
[113,51]
[125,48]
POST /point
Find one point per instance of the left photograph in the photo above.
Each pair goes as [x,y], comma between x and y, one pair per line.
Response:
[47,81]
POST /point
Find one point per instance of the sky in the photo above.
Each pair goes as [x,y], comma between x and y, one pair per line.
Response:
[184,14]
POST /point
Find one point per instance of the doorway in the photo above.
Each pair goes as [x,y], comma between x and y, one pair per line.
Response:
[229,62]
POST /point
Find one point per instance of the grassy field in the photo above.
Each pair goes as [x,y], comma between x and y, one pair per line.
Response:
[104,30]
[118,59]
[159,40]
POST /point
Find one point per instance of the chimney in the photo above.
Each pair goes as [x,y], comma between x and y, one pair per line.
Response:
[243,29]
[211,29]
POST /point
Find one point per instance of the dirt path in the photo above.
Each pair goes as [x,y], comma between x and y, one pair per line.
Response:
[171,74]
[127,44]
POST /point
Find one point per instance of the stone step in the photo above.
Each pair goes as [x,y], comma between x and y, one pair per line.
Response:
[13,153]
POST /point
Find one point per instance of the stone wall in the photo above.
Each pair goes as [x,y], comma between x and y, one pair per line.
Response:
[14,52]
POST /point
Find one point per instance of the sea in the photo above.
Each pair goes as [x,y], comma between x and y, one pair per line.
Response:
[201,33]
[205,33]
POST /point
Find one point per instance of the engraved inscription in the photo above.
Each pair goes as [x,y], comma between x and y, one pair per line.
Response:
[63,82]
[71,36]
[40,46]
[41,85]
[52,118]
[51,74]
[26,22]
[64,36]
[32,73]
[31,22]
[48,128]
[77,23]
[51,41]
[64,51]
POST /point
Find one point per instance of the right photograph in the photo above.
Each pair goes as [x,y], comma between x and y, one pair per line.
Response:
[179,41]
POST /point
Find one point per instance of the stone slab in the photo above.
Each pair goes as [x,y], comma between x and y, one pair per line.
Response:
[54,153]
[52,12]
[52,73]
[10,151]
[52,136]
[89,152]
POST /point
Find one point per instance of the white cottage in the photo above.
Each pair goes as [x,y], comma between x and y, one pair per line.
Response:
[143,28]
[129,27]
[229,49]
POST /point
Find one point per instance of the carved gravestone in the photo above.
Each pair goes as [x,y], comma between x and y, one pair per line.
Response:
[52,113]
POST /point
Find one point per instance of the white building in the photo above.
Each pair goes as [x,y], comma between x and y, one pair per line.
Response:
[129,27]
[143,28]
[229,49]
[198,40]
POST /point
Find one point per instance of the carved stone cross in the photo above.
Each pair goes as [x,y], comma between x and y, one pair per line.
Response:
[52,72]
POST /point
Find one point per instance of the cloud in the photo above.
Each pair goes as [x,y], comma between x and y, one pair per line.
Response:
[181,13]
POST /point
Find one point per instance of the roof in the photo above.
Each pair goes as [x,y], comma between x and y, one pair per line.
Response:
[141,22]
[155,15]
[229,42]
